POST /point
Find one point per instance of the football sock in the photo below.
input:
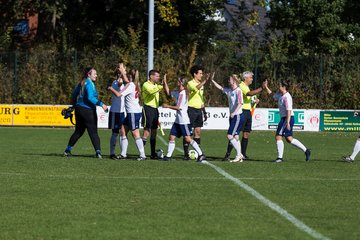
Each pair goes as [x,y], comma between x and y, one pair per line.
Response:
[244,144]
[197,140]
[229,148]
[171,148]
[124,145]
[186,147]
[113,140]
[356,150]
[196,146]
[140,147]
[280,148]
[68,149]
[236,145]
[144,141]
[153,146]
[298,144]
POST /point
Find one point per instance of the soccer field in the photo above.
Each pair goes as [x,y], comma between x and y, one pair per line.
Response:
[46,196]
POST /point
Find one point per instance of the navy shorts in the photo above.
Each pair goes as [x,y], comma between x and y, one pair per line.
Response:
[282,130]
[180,130]
[132,121]
[235,125]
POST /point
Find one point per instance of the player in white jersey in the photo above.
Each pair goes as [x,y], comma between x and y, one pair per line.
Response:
[356,149]
[117,115]
[285,126]
[236,119]
[181,126]
[133,112]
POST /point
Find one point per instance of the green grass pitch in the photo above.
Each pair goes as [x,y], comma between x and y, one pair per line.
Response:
[46,196]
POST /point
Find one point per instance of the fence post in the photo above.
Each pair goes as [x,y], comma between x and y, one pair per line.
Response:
[321,72]
[15,78]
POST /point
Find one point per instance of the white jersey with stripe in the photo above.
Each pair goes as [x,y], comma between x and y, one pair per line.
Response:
[182,116]
[131,95]
[285,103]
[235,97]
[117,103]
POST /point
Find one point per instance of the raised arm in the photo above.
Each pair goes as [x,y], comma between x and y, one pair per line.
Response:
[266,87]
[123,73]
[218,86]
[166,86]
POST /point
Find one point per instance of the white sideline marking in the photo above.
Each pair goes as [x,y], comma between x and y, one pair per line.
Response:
[291,218]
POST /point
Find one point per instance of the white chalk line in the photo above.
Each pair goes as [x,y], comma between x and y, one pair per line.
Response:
[291,218]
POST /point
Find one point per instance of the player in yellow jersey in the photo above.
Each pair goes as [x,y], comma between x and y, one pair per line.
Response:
[196,110]
[246,107]
[150,116]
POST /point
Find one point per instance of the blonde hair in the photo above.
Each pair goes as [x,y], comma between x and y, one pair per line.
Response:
[236,78]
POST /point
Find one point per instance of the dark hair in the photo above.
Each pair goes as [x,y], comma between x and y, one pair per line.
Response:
[194,69]
[87,71]
[285,84]
[152,72]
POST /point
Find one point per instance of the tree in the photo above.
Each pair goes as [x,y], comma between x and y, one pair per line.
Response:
[312,25]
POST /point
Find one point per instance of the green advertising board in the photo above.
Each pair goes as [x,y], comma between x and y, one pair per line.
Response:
[274,119]
[339,121]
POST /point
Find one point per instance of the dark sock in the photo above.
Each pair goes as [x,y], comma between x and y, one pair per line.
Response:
[144,141]
[186,148]
[197,140]
[153,146]
[229,148]
[244,144]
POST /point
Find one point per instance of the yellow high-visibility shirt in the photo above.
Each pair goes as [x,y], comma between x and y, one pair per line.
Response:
[150,93]
[247,99]
[196,96]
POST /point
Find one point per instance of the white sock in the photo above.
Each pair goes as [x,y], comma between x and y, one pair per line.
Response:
[237,146]
[140,147]
[124,145]
[356,149]
[171,148]
[280,148]
[113,140]
[196,147]
[298,144]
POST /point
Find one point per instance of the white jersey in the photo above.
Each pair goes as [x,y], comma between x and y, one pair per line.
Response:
[235,97]
[285,103]
[182,116]
[117,103]
[131,95]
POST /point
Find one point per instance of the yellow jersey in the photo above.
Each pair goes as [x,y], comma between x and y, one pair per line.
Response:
[247,99]
[196,96]
[150,93]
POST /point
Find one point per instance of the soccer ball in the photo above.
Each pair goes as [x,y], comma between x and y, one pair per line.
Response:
[193,154]
[159,153]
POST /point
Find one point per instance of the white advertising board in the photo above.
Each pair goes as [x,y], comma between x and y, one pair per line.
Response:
[218,118]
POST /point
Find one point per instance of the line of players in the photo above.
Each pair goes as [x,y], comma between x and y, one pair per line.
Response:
[190,111]
[126,112]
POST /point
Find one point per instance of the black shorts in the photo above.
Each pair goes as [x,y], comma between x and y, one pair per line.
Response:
[196,117]
[150,117]
[246,127]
